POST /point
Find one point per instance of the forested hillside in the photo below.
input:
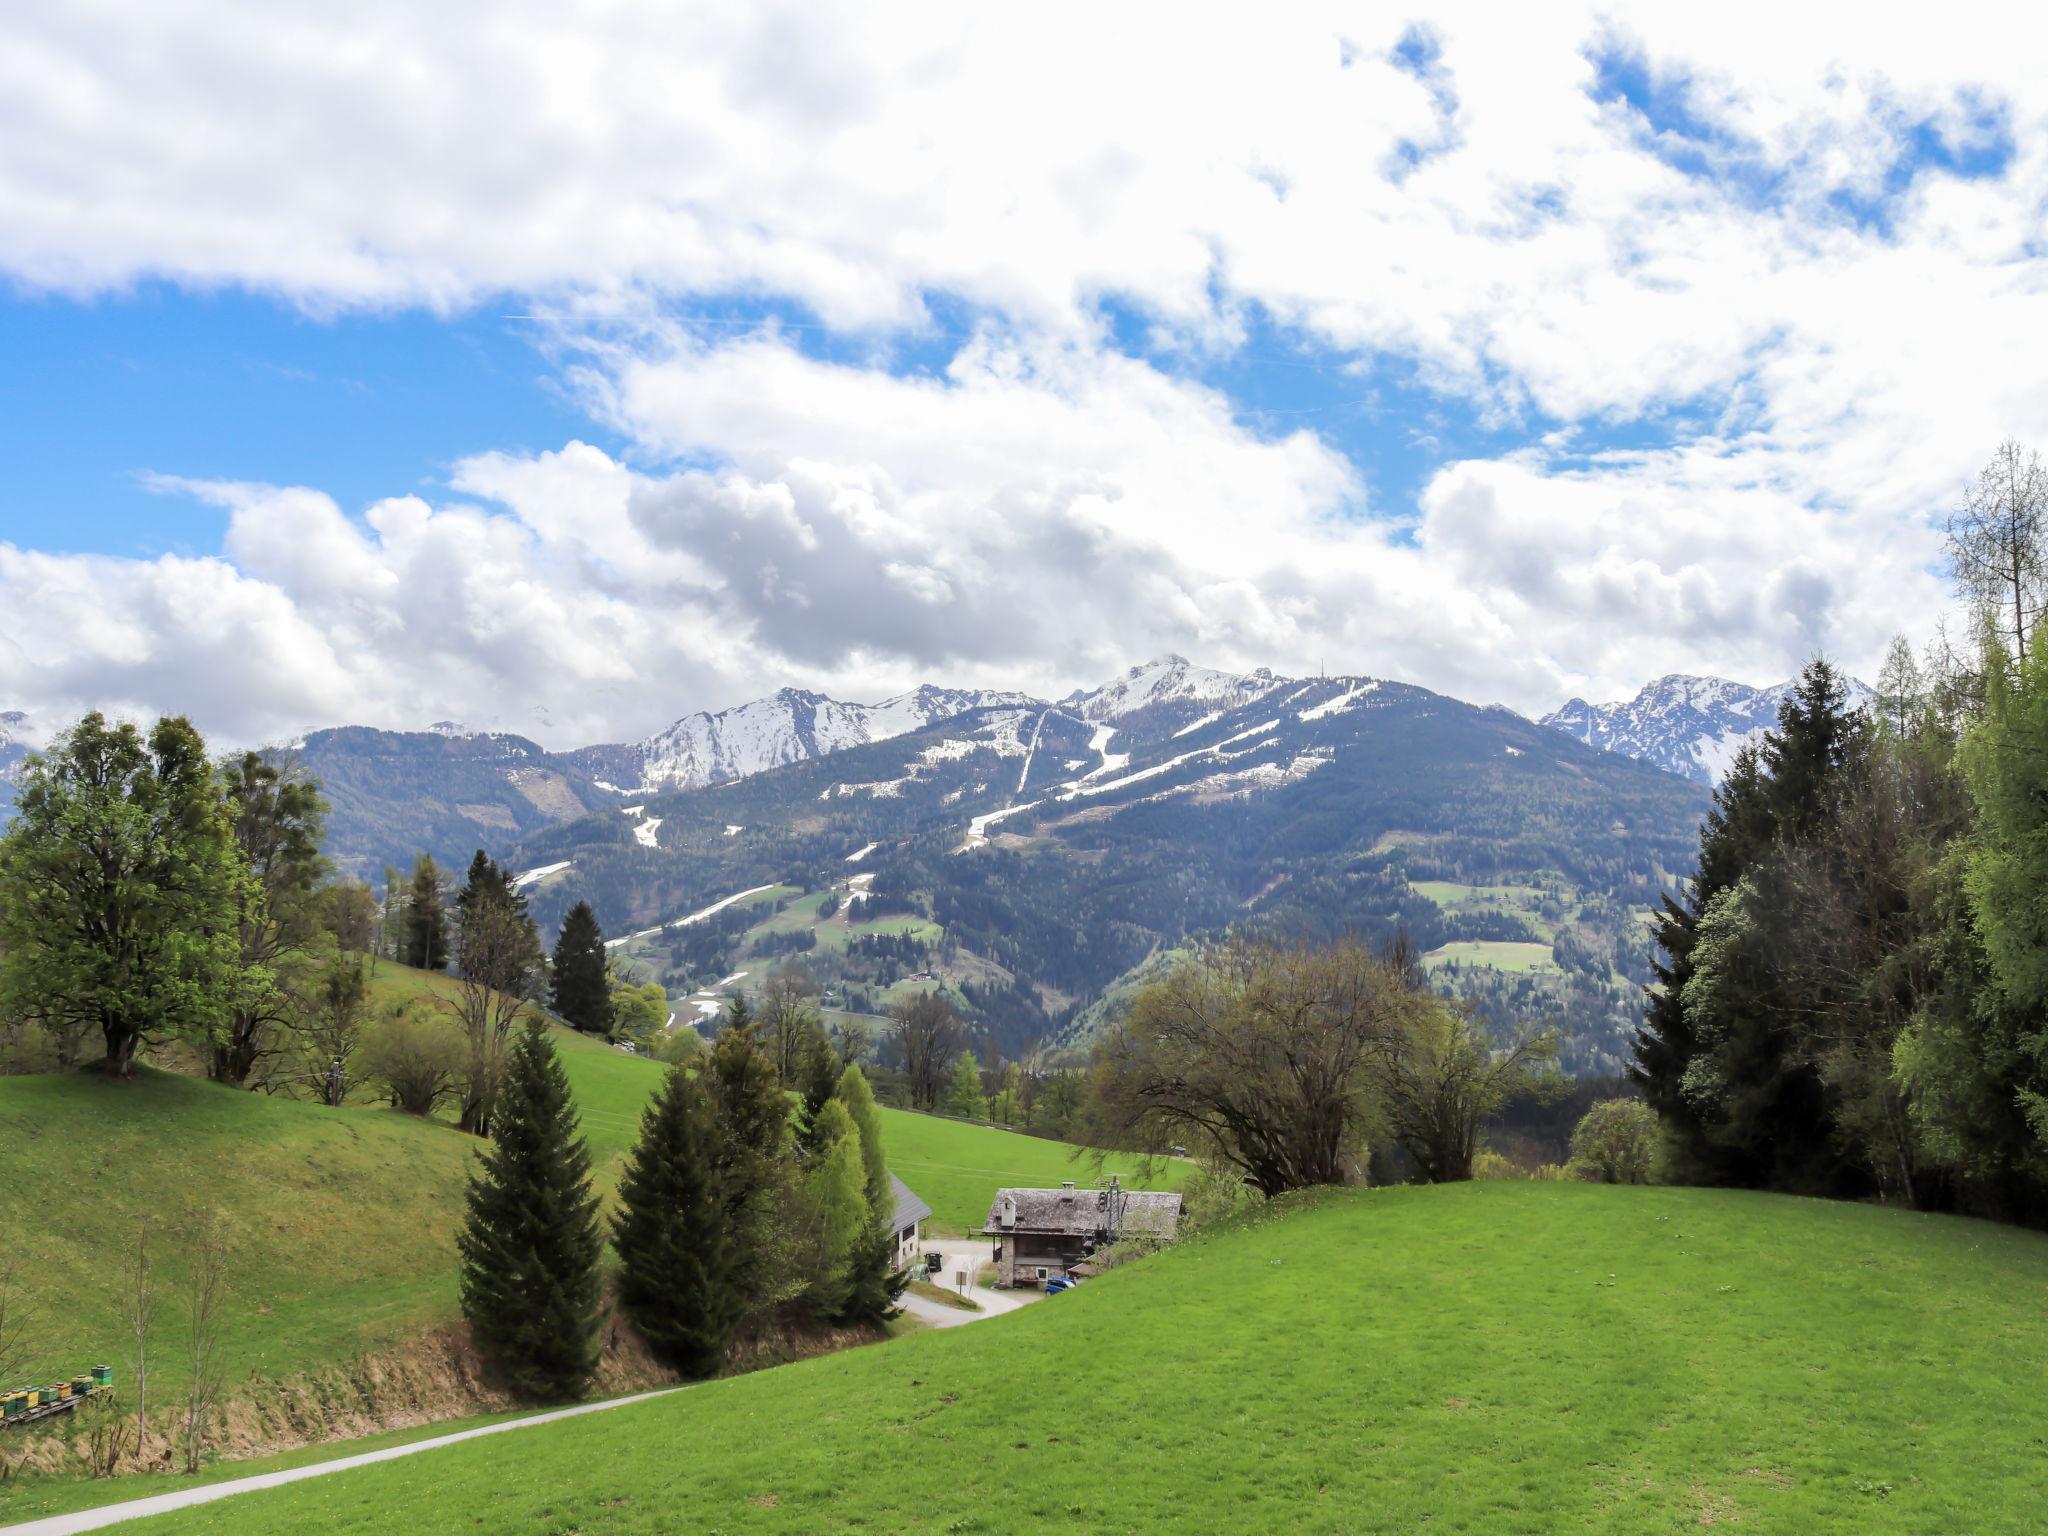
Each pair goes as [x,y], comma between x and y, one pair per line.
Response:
[1037,856]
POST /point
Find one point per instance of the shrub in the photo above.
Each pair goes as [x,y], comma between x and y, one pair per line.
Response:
[412,1059]
[1491,1165]
[1614,1143]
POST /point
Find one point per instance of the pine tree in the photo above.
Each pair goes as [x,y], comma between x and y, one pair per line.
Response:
[581,991]
[530,1243]
[426,918]
[750,1147]
[678,1257]
[820,1082]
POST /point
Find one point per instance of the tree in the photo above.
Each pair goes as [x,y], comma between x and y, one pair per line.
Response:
[414,1057]
[496,980]
[1615,1143]
[833,1215]
[119,890]
[963,1089]
[678,1256]
[1995,545]
[17,1317]
[874,1283]
[141,1312]
[331,1012]
[426,918]
[1445,1080]
[819,1079]
[789,1018]
[639,1012]
[580,990]
[1008,1108]
[751,1146]
[277,816]
[1901,690]
[487,881]
[928,1037]
[348,911]
[1268,1056]
[391,917]
[206,1288]
[530,1243]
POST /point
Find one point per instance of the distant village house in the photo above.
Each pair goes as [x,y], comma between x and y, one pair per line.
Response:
[911,1213]
[1043,1234]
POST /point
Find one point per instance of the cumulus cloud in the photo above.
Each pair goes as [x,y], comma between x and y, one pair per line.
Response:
[1799,278]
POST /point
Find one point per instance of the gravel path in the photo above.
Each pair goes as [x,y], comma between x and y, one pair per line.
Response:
[185,1498]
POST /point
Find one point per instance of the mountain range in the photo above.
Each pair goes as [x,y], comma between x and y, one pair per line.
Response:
[1690,726]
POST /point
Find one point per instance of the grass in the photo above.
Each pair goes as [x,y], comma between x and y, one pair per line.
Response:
[1500,955]
[958,1166]
[943,1297]
[1481,1358]
[343,1220]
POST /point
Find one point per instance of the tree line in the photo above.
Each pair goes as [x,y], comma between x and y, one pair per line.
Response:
[1853,992]
[756,1197]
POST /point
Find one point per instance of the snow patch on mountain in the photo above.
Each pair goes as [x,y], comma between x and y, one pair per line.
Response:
[1172,680]
[795,726]
[644,830]
[1690,726]
[1339,705]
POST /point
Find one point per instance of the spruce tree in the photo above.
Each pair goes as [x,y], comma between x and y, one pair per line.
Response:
[678,1257]
[750,1146]
[530,1243]
[820,1081]
[581,991]
[426,918]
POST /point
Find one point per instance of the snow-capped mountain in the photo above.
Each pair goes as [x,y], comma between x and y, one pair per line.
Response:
[1167,693]
[790,726]
[1690,726]
[14,746]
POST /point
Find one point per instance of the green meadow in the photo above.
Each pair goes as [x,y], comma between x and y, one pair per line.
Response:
[1483,1358]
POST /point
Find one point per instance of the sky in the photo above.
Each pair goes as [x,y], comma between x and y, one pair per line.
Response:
[571,368]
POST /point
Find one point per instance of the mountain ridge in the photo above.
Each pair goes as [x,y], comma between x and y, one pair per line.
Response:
[1685,723]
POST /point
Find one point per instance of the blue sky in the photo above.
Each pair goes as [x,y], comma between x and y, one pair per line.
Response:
[672,357]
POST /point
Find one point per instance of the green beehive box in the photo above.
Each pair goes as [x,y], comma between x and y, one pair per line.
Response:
[103,1375]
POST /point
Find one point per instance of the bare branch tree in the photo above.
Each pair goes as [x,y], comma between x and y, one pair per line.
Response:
[1995,547]
[1445,1079]
[500,964]
[206,1285]
[329,1014]
[17,1316]
[928,1035]
[141,1309]
[1267,1055]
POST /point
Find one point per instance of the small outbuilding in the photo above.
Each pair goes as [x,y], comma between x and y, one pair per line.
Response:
[1044,1234]
[911,1215]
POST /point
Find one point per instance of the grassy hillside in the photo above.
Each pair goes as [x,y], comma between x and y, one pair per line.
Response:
[1482,1358]
[342,1220]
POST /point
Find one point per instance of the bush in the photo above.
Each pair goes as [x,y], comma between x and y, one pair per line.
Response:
[1491,1165]
[1614,1143]
[412,1059]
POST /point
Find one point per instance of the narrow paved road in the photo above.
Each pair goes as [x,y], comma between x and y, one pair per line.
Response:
[965,1255]
[185,1498]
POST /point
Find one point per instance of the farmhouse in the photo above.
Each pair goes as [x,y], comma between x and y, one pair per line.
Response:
[910,1218]
[1041,1234]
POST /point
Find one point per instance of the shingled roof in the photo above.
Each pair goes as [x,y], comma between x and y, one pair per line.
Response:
[1084,1212]
[909,1209]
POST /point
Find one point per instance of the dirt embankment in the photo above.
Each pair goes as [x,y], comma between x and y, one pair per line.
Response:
[439,1376]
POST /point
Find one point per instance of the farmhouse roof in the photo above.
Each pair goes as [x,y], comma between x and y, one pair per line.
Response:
[1084,1212]
[909,1209]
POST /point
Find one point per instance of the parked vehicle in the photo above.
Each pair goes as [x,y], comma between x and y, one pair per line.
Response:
[1060,1283]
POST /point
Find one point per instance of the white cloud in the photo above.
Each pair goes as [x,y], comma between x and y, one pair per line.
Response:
[1042,508]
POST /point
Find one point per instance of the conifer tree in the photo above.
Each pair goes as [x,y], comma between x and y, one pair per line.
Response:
[750,1144]
[676,1247]
[581,991]
[426,918]
[820,1081]
[530,1242]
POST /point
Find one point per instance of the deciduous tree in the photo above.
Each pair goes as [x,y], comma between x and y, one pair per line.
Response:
[120,887]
